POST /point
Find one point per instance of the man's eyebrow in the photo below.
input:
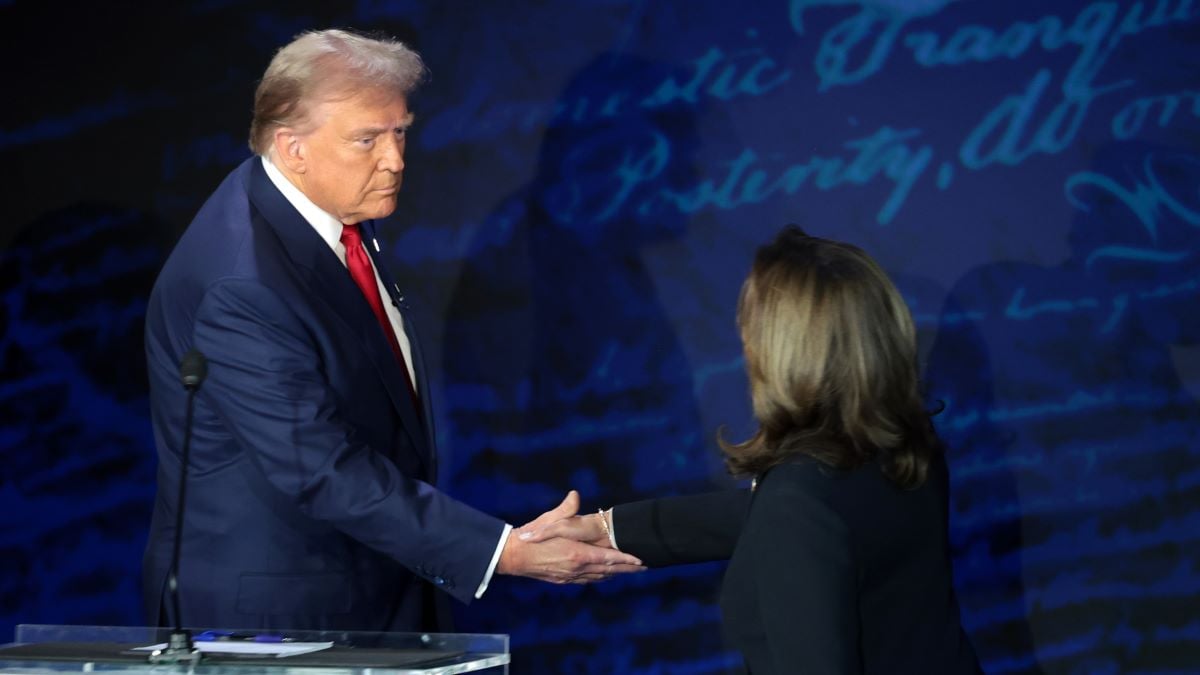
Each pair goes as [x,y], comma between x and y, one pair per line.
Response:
[367,131]
[375,131]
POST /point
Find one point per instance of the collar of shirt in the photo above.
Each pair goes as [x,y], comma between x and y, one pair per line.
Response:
[328,227]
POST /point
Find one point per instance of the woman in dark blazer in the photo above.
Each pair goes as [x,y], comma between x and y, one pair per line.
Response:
[839,560]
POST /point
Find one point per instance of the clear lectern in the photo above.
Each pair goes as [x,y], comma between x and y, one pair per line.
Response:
[120,649]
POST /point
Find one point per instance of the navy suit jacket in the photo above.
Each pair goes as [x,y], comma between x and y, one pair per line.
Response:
[309,500]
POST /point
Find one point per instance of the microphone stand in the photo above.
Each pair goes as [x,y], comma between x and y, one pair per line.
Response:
[180,648]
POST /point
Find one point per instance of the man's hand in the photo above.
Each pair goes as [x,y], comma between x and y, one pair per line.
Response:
[561,560]
[587,529]
[566,509]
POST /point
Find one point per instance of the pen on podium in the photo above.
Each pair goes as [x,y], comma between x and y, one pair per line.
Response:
[219,635]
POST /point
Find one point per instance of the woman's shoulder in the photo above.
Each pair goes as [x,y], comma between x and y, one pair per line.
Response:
[800,494]
[805,462]
[803,469]
[811,480]
[801,472]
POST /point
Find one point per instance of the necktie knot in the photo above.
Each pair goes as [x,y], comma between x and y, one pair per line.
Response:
[351,237]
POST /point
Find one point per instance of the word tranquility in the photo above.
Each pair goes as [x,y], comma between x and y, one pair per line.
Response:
[859,46]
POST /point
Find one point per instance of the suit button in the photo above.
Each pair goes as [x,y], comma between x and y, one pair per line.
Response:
[439,581]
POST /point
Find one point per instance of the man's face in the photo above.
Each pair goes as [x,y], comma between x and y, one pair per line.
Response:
[354,158]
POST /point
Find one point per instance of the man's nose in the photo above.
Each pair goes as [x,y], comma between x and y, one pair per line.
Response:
[392,157]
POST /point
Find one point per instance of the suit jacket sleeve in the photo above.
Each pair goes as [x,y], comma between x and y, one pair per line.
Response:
[679,530]
[801,556]
[265,384]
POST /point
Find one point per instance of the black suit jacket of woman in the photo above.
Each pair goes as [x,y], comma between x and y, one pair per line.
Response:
[830,571]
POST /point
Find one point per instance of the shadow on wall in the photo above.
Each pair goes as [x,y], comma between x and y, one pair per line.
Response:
[1072,437]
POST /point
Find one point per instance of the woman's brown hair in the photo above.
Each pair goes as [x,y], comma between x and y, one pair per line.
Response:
[831,356]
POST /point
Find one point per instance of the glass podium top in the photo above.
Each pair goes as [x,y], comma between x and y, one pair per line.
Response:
[123,649]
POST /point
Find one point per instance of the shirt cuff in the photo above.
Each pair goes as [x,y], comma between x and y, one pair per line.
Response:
[611,529]
[487,578]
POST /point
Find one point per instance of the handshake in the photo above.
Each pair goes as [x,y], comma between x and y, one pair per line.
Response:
[562,547]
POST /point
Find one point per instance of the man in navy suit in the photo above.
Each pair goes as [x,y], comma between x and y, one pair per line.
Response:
[310,498]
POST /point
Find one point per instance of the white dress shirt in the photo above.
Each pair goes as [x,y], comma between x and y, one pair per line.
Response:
[330,230]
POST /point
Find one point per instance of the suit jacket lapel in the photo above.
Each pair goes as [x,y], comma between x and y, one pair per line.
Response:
[410,329]
[328,280]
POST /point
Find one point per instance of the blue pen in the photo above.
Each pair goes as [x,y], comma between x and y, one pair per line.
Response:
[218,635]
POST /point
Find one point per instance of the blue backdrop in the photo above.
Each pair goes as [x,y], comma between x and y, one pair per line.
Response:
[586,184]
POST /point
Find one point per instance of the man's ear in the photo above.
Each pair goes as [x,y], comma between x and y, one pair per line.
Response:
[290,150]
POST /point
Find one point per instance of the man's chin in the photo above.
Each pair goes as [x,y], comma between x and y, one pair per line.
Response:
[382,209]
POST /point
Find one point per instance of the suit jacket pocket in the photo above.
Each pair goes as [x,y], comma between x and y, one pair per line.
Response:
[322,593]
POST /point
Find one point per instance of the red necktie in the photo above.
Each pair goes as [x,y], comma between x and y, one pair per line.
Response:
[363,274]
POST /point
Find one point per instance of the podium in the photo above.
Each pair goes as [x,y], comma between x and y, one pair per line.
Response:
[47,649]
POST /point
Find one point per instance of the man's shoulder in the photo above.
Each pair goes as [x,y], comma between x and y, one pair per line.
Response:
[231,196]
[220,242]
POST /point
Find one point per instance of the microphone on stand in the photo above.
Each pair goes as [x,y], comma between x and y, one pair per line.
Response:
[180,647]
